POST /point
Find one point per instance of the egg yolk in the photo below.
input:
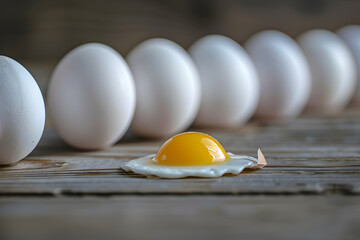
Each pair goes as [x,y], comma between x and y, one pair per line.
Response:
[189,149]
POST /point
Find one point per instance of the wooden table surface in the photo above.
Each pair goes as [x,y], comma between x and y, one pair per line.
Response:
[309,190]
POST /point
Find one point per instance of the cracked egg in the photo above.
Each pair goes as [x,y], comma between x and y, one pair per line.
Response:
[193,154]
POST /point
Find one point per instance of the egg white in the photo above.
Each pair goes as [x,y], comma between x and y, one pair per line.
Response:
[146,166]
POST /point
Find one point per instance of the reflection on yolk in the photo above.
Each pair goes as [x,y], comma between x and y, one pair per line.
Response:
[191,148]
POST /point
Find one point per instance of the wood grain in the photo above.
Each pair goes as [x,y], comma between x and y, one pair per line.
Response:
[309,190]
[311,155]
[181,217]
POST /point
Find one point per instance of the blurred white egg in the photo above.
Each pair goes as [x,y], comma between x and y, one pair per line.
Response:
[22,112]
[351,36]
[91,97]
[332,71]
[167,86]
[229,84]
[283,75]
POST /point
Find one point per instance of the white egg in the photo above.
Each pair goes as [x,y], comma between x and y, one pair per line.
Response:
[192,154]
[22,112]
[91,97]
[332,70]
[283,75]
[167,86]
[351,36]
[229,84]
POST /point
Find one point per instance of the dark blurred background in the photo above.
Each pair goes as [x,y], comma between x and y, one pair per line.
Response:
[39,32]
[46,30]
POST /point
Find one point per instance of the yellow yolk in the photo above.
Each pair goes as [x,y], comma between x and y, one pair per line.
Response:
[191,148]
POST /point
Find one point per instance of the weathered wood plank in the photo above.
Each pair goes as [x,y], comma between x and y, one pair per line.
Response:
[312,155]
[176,217]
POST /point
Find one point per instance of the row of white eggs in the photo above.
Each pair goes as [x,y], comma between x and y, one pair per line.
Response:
[93,91]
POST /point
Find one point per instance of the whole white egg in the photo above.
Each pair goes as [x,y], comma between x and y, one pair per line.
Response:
[91,97]
[167,87]
[351,36]
[283,75]
[22,111]
[332,69]
[229,84]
